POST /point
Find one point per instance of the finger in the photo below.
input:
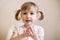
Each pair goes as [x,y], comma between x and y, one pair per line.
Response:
[29,29]
[26,34]
[30,32]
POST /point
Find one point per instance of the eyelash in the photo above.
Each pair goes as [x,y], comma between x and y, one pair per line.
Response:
[24,13]
[30,13]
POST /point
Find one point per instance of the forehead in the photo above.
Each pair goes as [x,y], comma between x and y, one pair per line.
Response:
[30,8]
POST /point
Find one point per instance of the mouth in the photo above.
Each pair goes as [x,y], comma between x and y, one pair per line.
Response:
[28,20]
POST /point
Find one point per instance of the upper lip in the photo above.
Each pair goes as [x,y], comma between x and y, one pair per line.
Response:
[28,20]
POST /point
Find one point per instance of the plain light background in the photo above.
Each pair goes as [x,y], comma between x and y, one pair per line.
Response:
[51,22]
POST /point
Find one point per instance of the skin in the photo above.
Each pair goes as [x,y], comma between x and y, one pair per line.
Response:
[28,16]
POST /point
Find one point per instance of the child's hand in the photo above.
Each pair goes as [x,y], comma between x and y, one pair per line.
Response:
[30,32]
[27,32]
[16,36]
[29,29]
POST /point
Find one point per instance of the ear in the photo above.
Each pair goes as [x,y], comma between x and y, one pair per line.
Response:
[17,16]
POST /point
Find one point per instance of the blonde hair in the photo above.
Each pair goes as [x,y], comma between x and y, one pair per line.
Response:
[25,6]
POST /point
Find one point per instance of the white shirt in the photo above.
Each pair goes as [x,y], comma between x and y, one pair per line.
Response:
[20,30]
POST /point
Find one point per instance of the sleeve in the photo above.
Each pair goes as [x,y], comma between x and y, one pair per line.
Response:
[41,31]
[10,32]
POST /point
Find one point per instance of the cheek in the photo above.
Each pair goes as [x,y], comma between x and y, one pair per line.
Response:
[34,17]
[23,17]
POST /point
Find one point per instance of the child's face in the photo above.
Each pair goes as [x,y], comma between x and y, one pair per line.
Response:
[29,15]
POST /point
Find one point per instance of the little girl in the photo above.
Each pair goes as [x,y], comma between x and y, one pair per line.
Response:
[29,13]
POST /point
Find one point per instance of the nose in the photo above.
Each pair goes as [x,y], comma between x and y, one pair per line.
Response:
[28,15]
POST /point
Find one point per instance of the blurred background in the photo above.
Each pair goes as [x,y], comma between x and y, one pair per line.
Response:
[51,22]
